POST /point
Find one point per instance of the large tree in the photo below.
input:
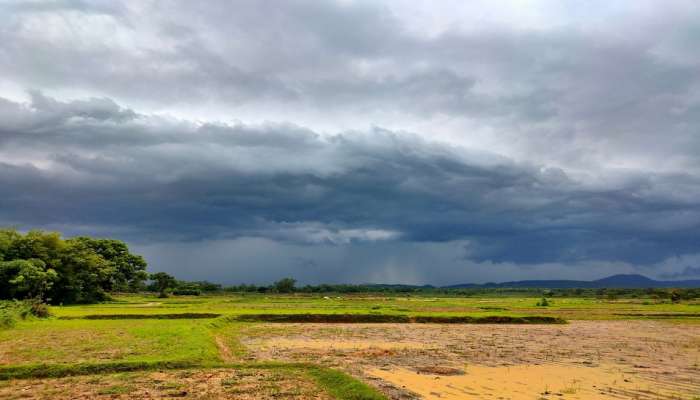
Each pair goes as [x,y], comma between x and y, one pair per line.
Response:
[285,285]
[42,264]
[130,269]
[162,282]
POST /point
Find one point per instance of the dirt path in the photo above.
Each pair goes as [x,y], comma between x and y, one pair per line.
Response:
[224,350]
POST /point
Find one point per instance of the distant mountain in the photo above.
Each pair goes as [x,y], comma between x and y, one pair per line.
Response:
[630,280]
[616,281]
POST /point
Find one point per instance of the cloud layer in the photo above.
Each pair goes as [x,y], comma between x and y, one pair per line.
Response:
[551,141]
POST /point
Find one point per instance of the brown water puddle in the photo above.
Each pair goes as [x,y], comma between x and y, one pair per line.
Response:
[528,382]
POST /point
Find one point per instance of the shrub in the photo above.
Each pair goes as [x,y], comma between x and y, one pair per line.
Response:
[12,311]
[543,303]
[38,309]
[7,318]
[675,297]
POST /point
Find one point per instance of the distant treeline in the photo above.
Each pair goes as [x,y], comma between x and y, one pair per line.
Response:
[42,265]
[287,285]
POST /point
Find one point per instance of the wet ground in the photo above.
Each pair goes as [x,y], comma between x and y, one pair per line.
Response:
[580,360]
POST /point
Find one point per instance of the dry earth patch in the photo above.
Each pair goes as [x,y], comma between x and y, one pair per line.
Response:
[244,384]
[581,360]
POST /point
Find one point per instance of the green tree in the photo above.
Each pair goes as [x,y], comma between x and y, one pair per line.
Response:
[66,271]
[8,238]
[84,276]
[163,282]
[45,246]
[129,269]
[285,285]
[32,278]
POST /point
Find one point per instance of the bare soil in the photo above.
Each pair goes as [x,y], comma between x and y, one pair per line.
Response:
[245,384]
[224,350]
[580,360]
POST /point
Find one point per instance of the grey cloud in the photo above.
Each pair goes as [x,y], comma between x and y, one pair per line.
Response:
[182,181]
[86,7]
[687,272]
[569,142]
[346,53]
[260,261]
[623,94]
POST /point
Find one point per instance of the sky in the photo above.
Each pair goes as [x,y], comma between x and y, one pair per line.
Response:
[414,142]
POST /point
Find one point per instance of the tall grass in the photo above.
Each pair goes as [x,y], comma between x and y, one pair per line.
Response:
[13,311]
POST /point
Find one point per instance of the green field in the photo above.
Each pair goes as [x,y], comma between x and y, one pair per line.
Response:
[568,308]
[143,333]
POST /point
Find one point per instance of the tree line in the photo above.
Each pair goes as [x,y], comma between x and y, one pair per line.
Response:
[43,265]
[288,285]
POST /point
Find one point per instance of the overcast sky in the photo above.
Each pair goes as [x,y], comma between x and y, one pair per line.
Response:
[433,142]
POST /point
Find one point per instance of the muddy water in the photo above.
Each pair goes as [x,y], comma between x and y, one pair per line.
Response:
[527,382]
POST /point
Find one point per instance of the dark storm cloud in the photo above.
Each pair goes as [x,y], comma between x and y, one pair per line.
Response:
[157,179]
[687,272]
[554,135]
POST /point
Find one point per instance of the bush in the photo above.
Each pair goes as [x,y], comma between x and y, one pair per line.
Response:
[39,309]
[7,318]
[12,311]
[675,297]
[543,303]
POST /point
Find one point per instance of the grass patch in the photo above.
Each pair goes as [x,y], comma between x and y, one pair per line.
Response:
[342,386]
[226,333]
[581,308]
[62,370]
[116,390]
[91,341]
